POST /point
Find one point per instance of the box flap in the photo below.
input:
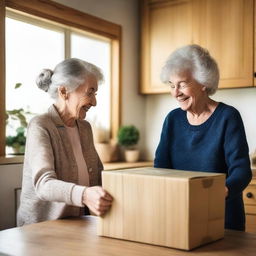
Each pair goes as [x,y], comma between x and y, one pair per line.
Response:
[161,172]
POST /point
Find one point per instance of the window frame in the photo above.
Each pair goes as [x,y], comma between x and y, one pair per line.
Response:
[55,12]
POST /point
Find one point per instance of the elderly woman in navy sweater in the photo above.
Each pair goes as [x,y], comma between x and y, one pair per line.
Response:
[204,135]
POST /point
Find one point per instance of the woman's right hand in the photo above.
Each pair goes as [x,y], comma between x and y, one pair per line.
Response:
[97,200]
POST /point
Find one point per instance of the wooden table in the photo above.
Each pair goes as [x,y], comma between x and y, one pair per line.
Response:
[77,236]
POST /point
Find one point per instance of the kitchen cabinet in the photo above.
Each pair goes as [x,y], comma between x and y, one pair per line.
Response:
[166,25]
[224,27]
[249,195]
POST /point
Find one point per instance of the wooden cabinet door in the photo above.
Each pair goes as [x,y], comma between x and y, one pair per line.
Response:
[165,26]
[249,196]
[226,30]
[224,27]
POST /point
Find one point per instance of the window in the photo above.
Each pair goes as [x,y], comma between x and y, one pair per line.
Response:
[97,52]
[69,33]
[42,45]
[29,48]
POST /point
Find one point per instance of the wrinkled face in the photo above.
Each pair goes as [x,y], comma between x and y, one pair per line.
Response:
[80,100]
[186,90]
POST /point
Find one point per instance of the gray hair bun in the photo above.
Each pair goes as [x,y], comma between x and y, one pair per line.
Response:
[44,79]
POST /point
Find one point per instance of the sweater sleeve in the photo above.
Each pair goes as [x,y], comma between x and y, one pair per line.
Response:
[77,195]
[236,156]
[39,154]
[162,156]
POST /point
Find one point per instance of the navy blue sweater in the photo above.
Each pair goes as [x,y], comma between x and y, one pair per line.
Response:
[217,145]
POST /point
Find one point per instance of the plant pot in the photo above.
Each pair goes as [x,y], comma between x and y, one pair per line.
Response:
[108,152]
[132,155]
[18,150]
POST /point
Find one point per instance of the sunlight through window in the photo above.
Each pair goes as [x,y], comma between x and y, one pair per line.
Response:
[32,47]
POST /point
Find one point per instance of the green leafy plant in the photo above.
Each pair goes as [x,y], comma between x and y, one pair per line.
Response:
[17,141]
[18,115]
[128,136]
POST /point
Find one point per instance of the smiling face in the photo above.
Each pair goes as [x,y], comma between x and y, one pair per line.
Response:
[80,100]
[187,91]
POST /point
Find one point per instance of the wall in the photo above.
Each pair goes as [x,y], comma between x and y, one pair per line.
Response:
[126,14]
[10,178]
[157,107]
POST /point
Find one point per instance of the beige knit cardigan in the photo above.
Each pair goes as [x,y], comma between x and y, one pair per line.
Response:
[50,171]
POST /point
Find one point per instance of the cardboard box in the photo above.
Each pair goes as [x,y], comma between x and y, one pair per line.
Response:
[172,208]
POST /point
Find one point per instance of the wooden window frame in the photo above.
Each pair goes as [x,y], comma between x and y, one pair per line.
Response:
[67,16]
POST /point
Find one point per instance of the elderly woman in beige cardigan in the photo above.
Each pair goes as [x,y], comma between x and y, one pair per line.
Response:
[62,170]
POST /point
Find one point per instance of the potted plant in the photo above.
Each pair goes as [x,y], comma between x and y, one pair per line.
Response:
[17,140]
[128,137]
